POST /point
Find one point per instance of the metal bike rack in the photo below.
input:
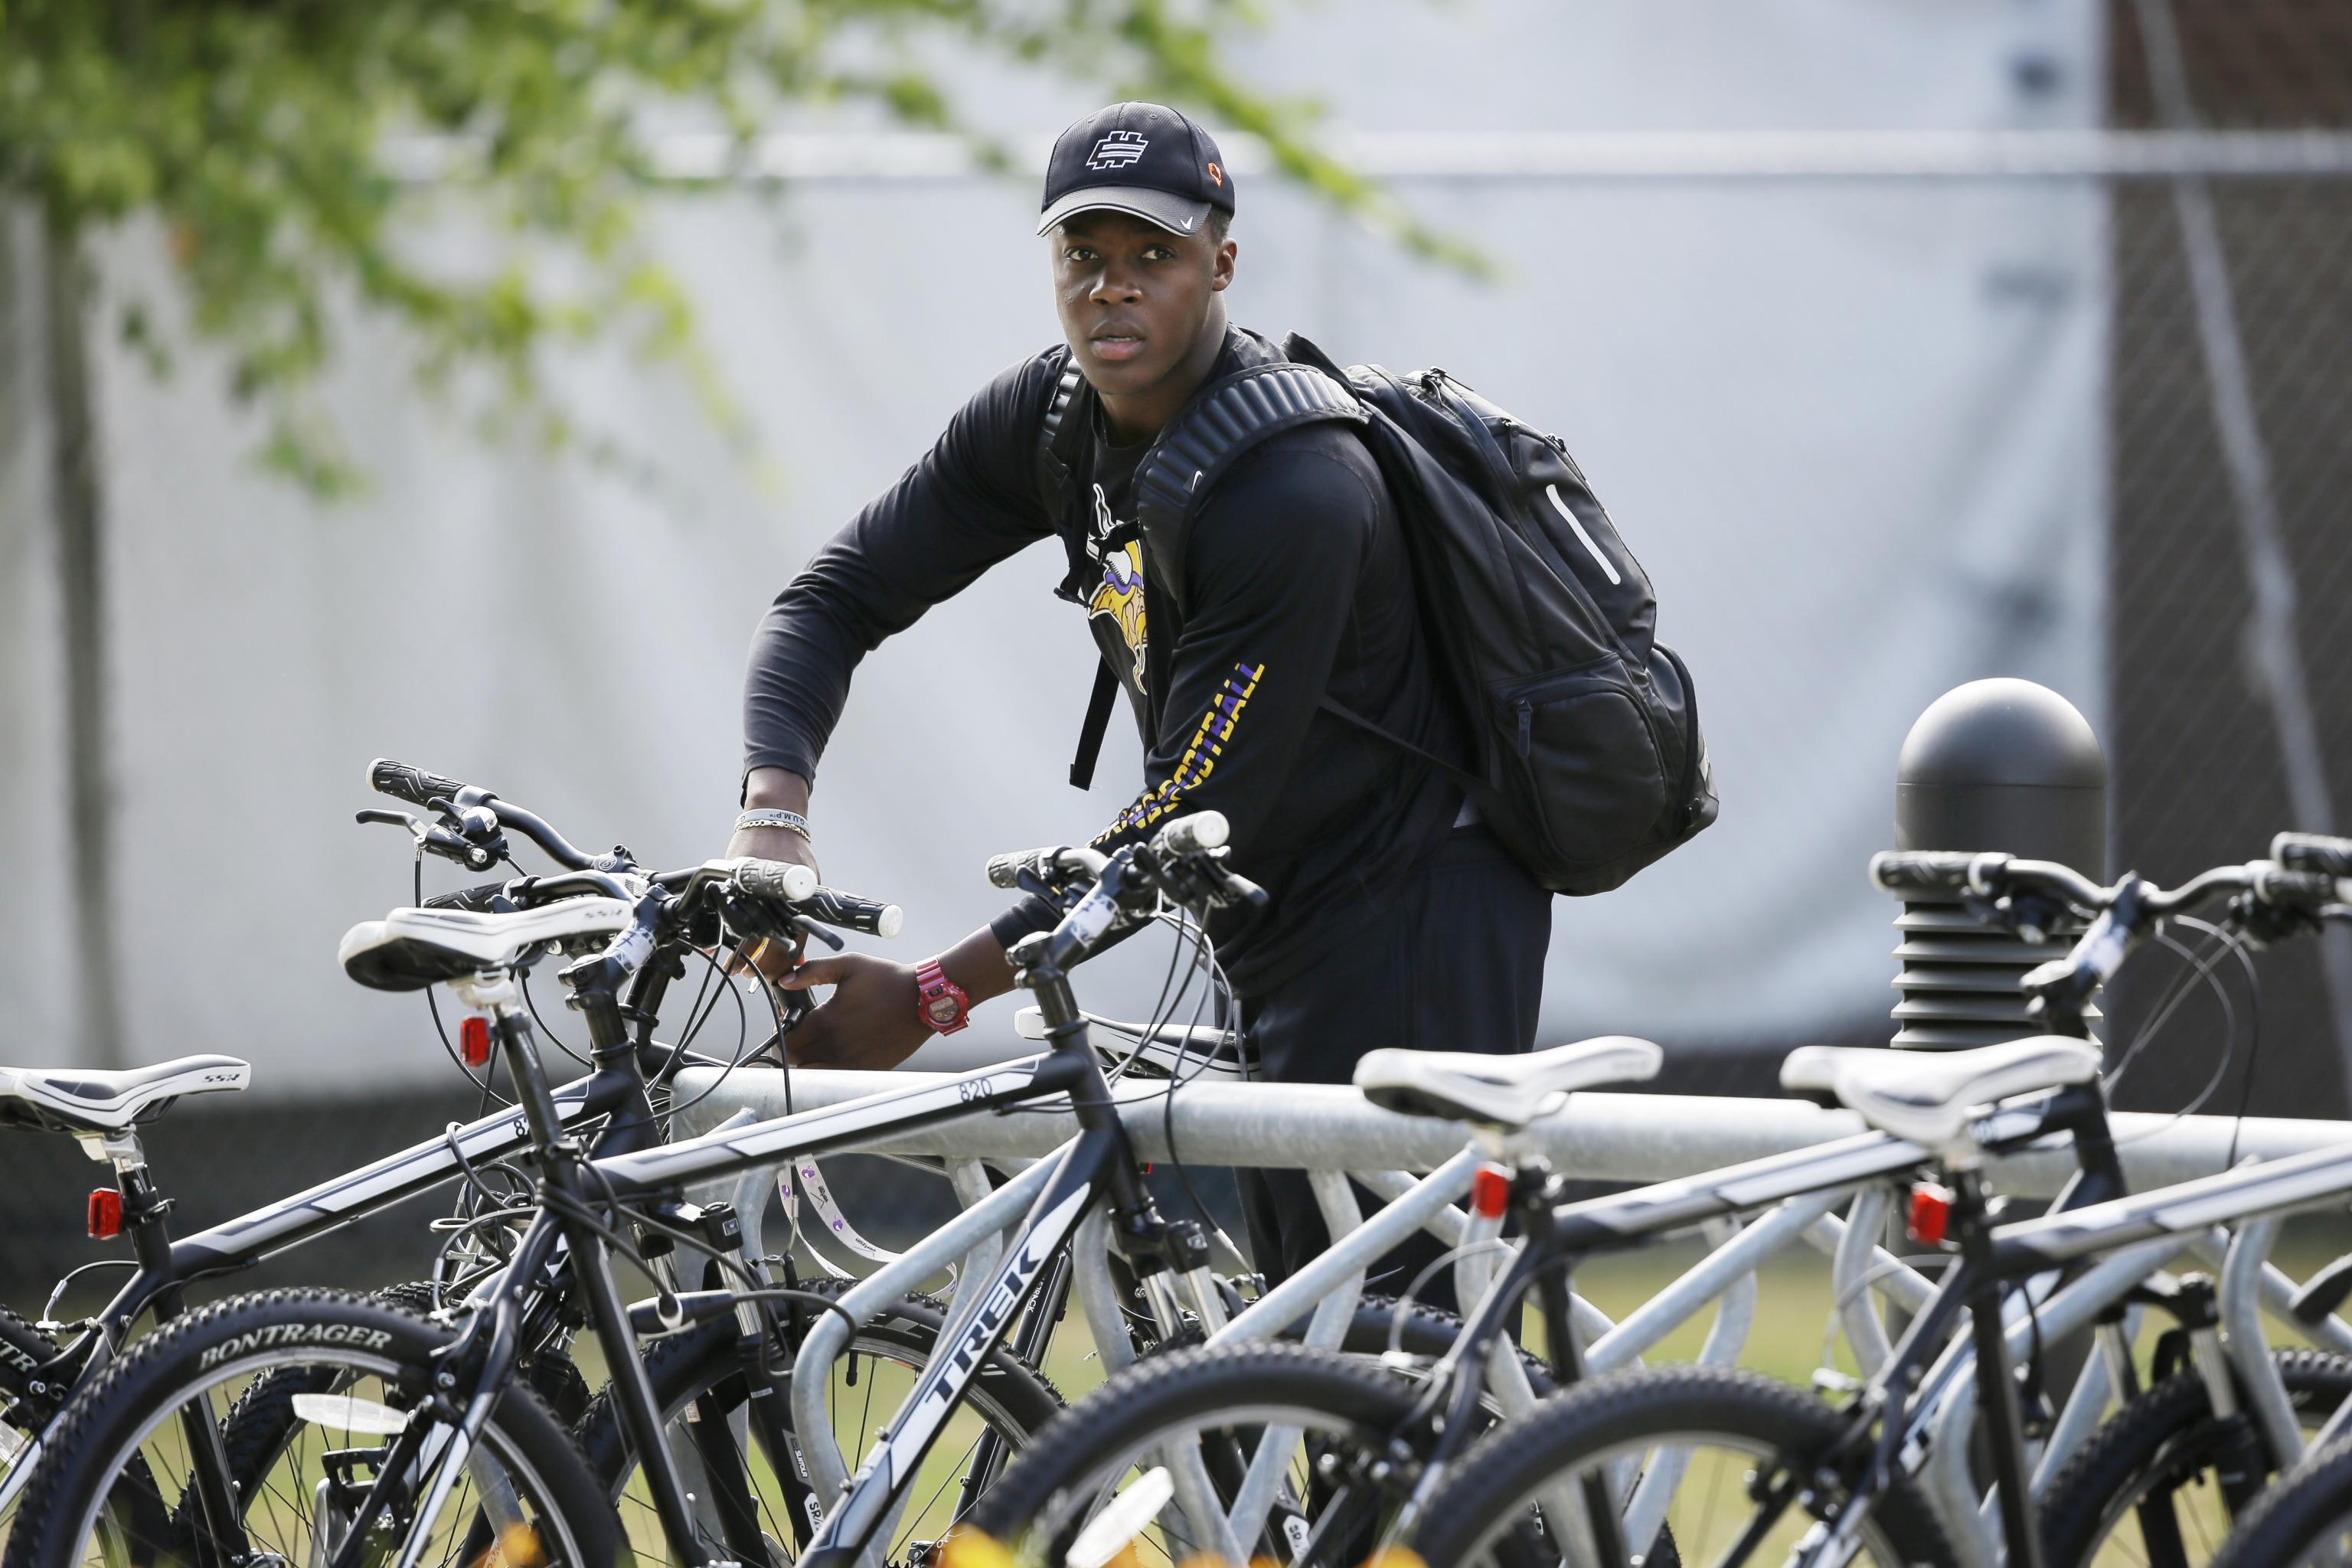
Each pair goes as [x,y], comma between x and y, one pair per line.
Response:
[1332,1134]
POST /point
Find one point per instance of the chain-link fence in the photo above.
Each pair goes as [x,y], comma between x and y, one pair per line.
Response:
[2230,542]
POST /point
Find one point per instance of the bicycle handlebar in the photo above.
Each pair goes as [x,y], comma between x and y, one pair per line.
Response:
[1996,875]
[418,788]
[2313,852]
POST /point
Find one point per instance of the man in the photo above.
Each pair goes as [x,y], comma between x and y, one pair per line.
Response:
[1395,920]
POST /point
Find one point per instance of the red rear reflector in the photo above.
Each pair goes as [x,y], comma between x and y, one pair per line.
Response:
[105,1213]
[474,1040]
[1931,1212]
[1490,1192]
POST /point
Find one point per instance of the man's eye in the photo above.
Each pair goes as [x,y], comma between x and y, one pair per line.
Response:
[1077,253]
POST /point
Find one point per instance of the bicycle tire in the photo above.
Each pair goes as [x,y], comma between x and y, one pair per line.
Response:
[262,1423]
[2305,1515]
[1013,1397]
[2163,1439]
[1098,1438]
[23,1348]
[252,1335]
[1478,1511]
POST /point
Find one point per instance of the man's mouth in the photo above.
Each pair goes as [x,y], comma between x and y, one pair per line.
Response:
[1116,344]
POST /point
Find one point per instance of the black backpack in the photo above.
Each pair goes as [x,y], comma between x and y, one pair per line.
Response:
[1588,764]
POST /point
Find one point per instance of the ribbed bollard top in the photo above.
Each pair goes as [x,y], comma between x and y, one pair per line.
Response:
[2005,765]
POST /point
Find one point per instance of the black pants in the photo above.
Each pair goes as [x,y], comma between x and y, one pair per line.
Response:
[1454,963]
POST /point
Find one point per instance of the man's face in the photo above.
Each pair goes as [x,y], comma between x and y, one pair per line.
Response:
[1133,296]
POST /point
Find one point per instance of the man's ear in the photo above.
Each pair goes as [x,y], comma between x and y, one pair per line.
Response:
[1224,274]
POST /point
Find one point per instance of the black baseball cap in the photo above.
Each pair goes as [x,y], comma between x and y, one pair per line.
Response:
[1141,158]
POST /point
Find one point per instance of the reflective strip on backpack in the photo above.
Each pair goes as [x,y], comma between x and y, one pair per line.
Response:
[1559,506]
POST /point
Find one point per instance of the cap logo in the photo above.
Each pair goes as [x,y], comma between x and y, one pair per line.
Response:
[1119,150]
[1216,174]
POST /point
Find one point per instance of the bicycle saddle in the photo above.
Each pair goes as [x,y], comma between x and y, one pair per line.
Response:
[1501,1091]
[1927,1097]
[73,1099]
[411,949]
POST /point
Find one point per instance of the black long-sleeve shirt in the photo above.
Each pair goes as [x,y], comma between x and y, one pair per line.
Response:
[1297,585]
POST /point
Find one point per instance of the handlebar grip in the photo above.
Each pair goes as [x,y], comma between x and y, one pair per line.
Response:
[1921,871]
[831,905]
[414,785]
[786,882]
[1190,835]
[1247,891]
[2294,890]
[1004,870]
[473,901]
[2313,852]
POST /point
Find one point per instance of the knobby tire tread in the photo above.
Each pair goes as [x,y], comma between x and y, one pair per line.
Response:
[1509,1462]
[2170,1426]
[1182,1386]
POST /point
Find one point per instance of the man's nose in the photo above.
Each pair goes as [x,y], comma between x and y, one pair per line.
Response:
[1116,283]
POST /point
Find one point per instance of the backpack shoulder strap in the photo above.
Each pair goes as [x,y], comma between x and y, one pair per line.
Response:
[1053,436]
[1216,431]
[1090,733]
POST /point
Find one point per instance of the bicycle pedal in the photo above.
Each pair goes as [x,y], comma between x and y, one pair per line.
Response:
[1829,1379]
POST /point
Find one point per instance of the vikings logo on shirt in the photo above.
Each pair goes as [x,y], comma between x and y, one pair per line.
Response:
[1120,594]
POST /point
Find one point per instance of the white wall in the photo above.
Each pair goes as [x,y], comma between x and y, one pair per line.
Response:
[1853,431]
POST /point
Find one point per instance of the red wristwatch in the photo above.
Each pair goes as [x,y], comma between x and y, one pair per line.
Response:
[939,1002]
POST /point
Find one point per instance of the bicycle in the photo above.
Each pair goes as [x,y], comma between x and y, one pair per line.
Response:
[1822,1481]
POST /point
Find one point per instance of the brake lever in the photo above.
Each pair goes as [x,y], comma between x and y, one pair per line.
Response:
[438,840]
[2267,924]
[825,934]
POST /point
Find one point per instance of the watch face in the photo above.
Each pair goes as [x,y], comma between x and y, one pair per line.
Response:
[940,1009]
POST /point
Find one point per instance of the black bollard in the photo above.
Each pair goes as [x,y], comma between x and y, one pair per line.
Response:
[1994,765]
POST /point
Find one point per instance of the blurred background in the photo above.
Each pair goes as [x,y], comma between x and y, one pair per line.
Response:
[1906,345]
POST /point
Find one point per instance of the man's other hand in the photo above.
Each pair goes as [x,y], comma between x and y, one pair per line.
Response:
[869,1021]
[775,787]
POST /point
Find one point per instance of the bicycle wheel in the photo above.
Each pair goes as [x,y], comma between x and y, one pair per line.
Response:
[2143,1489]
[1150,1455]
[524,1499]
[1751,1452]
[2305,1522]
[700,1383]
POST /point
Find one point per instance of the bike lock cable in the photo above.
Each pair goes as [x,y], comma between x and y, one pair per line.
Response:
[2200,963]
[2253,1054]
[2230,1030]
